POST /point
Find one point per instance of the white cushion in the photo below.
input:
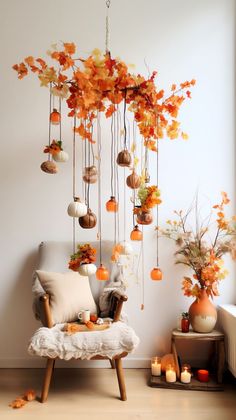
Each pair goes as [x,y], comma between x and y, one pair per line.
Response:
[53,342]
[69,294]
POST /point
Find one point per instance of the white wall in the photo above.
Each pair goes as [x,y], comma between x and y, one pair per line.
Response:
[183,39]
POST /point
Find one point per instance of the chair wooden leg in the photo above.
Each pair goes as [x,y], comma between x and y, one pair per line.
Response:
[112,363]
[47,379]
[121,379]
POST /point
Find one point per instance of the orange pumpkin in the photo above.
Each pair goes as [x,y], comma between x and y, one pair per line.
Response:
[156,274]
[136,234]
[55,117]
[102,273]
[112,205]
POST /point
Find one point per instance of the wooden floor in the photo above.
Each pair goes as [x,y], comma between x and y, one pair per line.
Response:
[92,394]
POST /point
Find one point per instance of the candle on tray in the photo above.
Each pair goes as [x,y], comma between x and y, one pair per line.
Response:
[203,375]
[170,374]
[185,376]
[156,366]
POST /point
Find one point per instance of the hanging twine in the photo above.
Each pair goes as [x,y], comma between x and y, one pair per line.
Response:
[49,125]
[157,163]
[99,187]
[73,179]
[108,3]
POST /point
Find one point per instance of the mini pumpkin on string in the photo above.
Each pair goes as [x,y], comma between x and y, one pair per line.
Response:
[102,273]
[133,181]
[77,208]
[136,234]
[61,156]
[89,220]
[112,205]
[124,158]
[156,274]
[49,167]
[55,117]
[90,174]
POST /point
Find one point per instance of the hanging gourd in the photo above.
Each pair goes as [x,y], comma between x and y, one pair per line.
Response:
[156,274]
[125,248]
[102,273]
[49,167]
[77,208]
[90,174]
[87,269]
[55,117]
[60,156]
[112,205]
[88,221]
[143,217]
[133,181]
[136,234]
[124,158]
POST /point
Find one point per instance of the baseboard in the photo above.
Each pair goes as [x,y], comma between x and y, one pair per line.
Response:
[37,362]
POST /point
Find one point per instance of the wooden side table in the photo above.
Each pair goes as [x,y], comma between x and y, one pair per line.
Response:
[216,336]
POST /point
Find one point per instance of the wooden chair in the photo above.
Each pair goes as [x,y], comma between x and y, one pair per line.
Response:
[44,310]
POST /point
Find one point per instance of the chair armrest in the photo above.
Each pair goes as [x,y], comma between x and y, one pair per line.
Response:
[46,309]
[119,299]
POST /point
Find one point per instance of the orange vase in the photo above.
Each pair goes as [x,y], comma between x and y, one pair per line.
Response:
[202,314]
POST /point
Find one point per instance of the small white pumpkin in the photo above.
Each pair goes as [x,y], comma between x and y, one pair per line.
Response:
[61,156]
[87,269]
[127,248]
[77,208]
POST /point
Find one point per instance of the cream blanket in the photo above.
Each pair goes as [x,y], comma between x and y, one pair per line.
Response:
[53,342]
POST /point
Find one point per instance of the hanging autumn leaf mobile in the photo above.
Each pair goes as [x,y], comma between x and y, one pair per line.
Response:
[99,84]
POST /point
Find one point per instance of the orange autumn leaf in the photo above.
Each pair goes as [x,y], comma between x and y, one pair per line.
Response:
[29,60]
[110,110]
[18,403]
[30,395]
[69,48]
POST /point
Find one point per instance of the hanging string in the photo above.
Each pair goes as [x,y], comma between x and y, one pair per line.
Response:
[49,125]
[99,187]
[117,172]
[124,206]
[60,119]
[73,178]
[85,163]
[125,130]
[157,163]
[143,292]
[108,3]
[134,148]
[112,155]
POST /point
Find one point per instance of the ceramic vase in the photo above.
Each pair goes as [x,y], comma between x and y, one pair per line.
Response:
[202,314]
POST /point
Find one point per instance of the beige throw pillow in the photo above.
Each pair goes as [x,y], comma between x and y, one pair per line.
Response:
[69,294]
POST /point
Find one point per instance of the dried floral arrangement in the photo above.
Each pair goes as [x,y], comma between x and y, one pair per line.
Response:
[84,255]
[99,83]
[201,251]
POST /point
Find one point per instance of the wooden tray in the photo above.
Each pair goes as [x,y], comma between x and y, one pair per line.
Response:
[73,328]
[195,385]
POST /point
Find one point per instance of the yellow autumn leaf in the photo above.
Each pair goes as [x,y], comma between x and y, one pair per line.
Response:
[184,136]
[136,161]
[133,147]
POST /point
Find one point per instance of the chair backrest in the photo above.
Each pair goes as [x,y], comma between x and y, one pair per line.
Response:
[54,256]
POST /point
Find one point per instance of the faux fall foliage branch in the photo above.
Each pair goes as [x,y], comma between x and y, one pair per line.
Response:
[100,83]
